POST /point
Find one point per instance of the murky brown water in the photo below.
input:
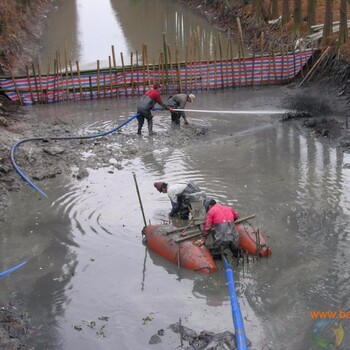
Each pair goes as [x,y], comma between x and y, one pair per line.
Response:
[87,261]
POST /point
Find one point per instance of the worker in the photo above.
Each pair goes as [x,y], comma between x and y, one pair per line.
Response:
[147,102]
[220,218]
[179,102]
[178,195]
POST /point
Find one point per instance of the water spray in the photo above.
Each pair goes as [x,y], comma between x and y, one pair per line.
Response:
[232,112]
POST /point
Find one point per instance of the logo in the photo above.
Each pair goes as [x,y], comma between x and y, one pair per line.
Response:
[327,333]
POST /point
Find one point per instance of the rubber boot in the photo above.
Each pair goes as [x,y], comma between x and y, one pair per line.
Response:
[150,128]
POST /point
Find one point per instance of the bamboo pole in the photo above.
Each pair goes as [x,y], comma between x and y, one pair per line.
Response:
[97,78]
[282,64]
[215,68]
[186,64]
[221,58]
[262,57]
[195,64]
[90,88]
[132,72]
[253,61]
[274,65]
[200,58]
[14,83]
[35,83]
[48,67]
[79,81]
[232,64]
[227,58]
[165,58]
[30,85]
[288,72]
[147,66]
[138,74]
[270,64]
[190,59]
[208,65]
[66,69]
[72,79]
[239,67]
[143,68]
[55,78]
[314,67]
[171,70]
[242,48]
[124,75]
[59,74]
[113,56]
[110,75]
[178,66]
[40,84]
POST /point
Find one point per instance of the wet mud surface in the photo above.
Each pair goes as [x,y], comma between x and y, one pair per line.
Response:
[310,115]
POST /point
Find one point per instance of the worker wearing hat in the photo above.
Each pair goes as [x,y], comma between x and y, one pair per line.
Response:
[178,195]
[179,102]
[147,102]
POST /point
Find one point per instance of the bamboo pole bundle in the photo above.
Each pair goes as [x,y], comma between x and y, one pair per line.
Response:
[30,85]
[177,54]
[59,74]
[72,79]
[124,75]
[97,79]
[79,81]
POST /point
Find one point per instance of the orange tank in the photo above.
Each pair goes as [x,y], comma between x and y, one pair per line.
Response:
[186,253]
[251,240]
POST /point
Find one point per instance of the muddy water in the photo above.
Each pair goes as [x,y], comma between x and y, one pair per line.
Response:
[88,29]
[90,282]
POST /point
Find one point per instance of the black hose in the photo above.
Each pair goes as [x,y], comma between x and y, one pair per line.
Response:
[26,179]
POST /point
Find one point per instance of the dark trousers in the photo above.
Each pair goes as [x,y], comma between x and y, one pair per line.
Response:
[175,117]
[141,119]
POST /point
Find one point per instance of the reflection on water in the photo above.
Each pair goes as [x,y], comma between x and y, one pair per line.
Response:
[296,185]
[89,29]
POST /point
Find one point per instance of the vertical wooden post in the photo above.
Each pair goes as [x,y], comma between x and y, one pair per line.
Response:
[14,83]
[110,75]
[124,75]
[178,67]
[200,57]
[72,79]
[171,70]
[79,80]
[98,78]
[35,84]
[143,68]
[215,68]
[48,67]
[165,57]
[66,69]
[113,56]
[262,57]
[138,74]
[221,65]
[253,61]
[30,86]
[208,65]
[232,64]
[186,65]
[40,84]
[132,72]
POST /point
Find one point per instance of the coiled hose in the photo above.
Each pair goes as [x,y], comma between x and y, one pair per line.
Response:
[26,179]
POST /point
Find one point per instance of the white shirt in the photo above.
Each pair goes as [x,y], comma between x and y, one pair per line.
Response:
[174,190]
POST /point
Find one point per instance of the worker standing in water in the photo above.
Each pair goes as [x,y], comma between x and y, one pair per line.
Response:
[179,101]
[147,102]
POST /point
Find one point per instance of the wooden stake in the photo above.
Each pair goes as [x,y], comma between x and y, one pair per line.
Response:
[113,56]
[16,88]
[30,85]
[124,75]
[97,79]
[110,75]
[72,78]
[79,80]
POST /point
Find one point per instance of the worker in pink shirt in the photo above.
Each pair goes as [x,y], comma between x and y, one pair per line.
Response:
[220,218]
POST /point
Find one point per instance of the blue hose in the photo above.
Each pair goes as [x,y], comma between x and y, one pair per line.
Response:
[2,274]
[241,339]
[26,179]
